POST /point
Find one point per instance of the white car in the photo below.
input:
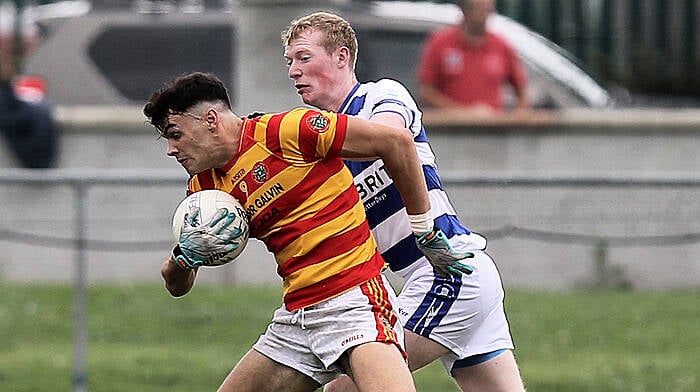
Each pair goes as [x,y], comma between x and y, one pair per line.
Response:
[118,56]
[555,80]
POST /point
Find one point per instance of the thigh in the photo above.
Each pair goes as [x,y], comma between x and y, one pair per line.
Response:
[421,350]
[378,367]
[258,373]
[498,374]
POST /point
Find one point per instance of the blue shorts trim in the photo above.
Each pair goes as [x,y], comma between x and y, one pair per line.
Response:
[476,359]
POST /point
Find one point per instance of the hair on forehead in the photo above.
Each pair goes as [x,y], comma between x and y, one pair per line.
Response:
[337,32]
[182,94]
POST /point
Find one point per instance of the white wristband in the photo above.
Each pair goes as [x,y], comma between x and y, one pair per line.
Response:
[421,223]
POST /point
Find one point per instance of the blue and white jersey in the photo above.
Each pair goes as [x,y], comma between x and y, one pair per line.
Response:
[385,209]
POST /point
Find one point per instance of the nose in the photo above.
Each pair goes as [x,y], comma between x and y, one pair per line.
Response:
[172,149]
[294,70]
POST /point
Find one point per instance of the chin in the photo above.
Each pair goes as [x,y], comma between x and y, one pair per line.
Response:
[306,99]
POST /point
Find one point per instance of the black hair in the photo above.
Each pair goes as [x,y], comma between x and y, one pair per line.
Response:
[181,94]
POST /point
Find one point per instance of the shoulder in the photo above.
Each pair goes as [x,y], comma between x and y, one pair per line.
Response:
[498,40]
[289,123]
[445,34]
[299,114]
[389,91]
[388,86]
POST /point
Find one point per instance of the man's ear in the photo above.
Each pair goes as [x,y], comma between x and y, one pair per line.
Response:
[343,55]
[211,118]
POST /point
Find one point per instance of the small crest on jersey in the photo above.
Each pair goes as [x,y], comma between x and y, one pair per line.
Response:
[260,172]
[318,123]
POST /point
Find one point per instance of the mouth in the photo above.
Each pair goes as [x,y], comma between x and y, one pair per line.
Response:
[301,88]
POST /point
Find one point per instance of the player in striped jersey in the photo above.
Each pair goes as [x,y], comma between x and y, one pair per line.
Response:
[287,171]
[455,317]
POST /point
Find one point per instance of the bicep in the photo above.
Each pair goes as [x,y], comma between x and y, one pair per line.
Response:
[367,139]
[389,118]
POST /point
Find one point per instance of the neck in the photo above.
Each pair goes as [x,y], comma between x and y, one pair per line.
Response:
[233,126]
[343,90]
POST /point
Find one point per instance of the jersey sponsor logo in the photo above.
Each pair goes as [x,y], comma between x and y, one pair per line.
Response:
[267,216]
[259,172]
[371,181]
[261,201]
[269,195]
[318,123]
[374,201]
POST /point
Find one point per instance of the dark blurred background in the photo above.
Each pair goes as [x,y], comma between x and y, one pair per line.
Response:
[648,46]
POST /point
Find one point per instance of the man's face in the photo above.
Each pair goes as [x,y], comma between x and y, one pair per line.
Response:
[313,70]
[476,15]
[190,142]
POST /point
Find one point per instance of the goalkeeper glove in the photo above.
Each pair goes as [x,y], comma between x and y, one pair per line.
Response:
[444,258]
[198,245]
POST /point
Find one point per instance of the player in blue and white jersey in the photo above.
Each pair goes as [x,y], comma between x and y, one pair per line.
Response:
[449,315]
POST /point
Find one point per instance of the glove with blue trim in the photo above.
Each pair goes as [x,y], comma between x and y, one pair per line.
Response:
[443,257]
[199,244]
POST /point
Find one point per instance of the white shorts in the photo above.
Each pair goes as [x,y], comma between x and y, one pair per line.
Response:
[465,315]
[312,339]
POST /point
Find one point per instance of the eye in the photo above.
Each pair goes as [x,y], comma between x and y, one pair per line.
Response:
[174,135]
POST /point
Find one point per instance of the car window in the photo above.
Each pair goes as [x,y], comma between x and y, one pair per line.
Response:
[389,54]
[137,59]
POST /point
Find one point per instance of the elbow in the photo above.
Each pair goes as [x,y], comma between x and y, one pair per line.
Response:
[175,291]
[178,282]
[403,139]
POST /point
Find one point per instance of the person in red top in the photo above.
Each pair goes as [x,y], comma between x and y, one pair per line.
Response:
[466,66]
[287,171]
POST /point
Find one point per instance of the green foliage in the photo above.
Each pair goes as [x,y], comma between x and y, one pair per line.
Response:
[141,339]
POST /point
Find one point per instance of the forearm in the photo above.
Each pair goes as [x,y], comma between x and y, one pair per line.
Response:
[394,145]
[523,100]
[178,281]
[404,167]
[431,96]
[410,173]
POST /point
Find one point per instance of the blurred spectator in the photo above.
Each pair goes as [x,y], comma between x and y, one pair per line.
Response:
[26,120]
[466,66]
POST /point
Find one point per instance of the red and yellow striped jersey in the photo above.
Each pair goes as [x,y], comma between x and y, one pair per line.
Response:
[301,202]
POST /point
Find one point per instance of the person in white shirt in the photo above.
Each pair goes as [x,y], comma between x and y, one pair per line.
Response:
[455,315]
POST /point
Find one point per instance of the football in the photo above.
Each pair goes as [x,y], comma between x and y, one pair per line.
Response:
[208,202]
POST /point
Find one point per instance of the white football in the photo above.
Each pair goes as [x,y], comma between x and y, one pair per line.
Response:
[209,201]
